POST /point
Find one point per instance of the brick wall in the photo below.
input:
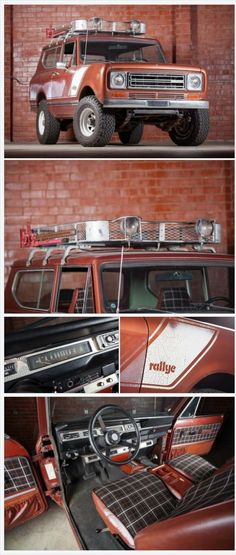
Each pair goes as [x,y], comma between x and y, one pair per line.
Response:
[189,34]
[21,420]
[62,191]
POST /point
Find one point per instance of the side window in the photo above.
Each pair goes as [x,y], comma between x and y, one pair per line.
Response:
[210,405]
[33,288]
[190,410]
[206,406]
[51,56]
[76,291]
[69,54]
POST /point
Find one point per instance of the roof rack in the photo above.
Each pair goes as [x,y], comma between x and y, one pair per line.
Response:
[97,25]
[128,231]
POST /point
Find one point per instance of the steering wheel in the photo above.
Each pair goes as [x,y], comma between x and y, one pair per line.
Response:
[106,440]
[214,299]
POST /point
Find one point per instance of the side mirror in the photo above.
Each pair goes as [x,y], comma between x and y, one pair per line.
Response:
[61,65]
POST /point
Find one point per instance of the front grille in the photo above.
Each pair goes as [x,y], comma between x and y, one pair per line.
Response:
[156,81]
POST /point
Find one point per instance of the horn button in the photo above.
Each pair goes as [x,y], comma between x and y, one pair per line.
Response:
[112,437]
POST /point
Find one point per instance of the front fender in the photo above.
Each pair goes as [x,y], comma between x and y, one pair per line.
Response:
[92,77]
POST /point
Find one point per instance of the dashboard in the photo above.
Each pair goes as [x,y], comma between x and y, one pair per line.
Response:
[79,355]
[73,439]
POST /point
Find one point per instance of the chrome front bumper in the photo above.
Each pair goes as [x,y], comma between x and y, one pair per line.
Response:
[156,104]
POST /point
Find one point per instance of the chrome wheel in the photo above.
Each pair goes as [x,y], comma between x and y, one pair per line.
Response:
[87,122]
[41,123]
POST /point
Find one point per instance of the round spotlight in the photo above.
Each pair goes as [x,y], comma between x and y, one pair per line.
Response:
[130,226]
[204,228]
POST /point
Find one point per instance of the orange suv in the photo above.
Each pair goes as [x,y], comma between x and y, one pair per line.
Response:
[102,76]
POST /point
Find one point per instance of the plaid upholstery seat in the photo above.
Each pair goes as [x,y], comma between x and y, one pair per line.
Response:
[193,466]
[174,298]
[215,489]
[141,499]
[137,500]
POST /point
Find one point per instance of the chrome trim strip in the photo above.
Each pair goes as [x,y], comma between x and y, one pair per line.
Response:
[23,492]
[158,104]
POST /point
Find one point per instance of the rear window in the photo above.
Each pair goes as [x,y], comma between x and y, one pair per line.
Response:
[33,289]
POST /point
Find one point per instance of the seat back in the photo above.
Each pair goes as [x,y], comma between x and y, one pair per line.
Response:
[174,298]
[215,489]
[203,519]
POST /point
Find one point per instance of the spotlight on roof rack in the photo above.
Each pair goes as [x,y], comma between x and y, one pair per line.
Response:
[96,23]
[204,228]
[130,226]
[137,27]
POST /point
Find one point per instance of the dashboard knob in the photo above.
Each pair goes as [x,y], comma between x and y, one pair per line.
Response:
[70,383]
[109,338]
[109,380]
[100,384]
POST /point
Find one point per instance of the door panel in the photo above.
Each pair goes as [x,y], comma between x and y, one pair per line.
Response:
[24,498]
[193,435]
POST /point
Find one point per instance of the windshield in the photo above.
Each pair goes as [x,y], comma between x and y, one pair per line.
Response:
[64,410]
[120,50]
[169,289]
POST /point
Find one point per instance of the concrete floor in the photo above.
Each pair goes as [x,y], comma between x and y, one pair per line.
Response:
[49,531]
[144,150]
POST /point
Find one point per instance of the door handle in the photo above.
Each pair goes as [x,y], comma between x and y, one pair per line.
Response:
[55,74]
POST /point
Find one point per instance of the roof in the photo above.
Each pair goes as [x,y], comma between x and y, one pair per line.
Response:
[101,37]
[99,257]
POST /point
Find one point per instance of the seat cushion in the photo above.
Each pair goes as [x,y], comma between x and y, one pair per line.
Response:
[193,466]
[137,500]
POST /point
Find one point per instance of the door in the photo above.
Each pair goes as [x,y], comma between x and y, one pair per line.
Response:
[24,497]
[133,347]
[65,80]
[196,428]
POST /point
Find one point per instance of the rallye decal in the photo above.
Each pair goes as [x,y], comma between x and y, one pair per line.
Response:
[174,352]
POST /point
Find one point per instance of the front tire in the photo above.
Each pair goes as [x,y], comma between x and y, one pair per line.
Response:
[92,125]
[47,127]
[132,136]
[192,130]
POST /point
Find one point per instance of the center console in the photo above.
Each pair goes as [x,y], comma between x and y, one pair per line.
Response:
[174,481]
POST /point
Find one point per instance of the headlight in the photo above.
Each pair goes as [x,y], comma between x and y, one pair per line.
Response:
[194,81]
[117,80]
